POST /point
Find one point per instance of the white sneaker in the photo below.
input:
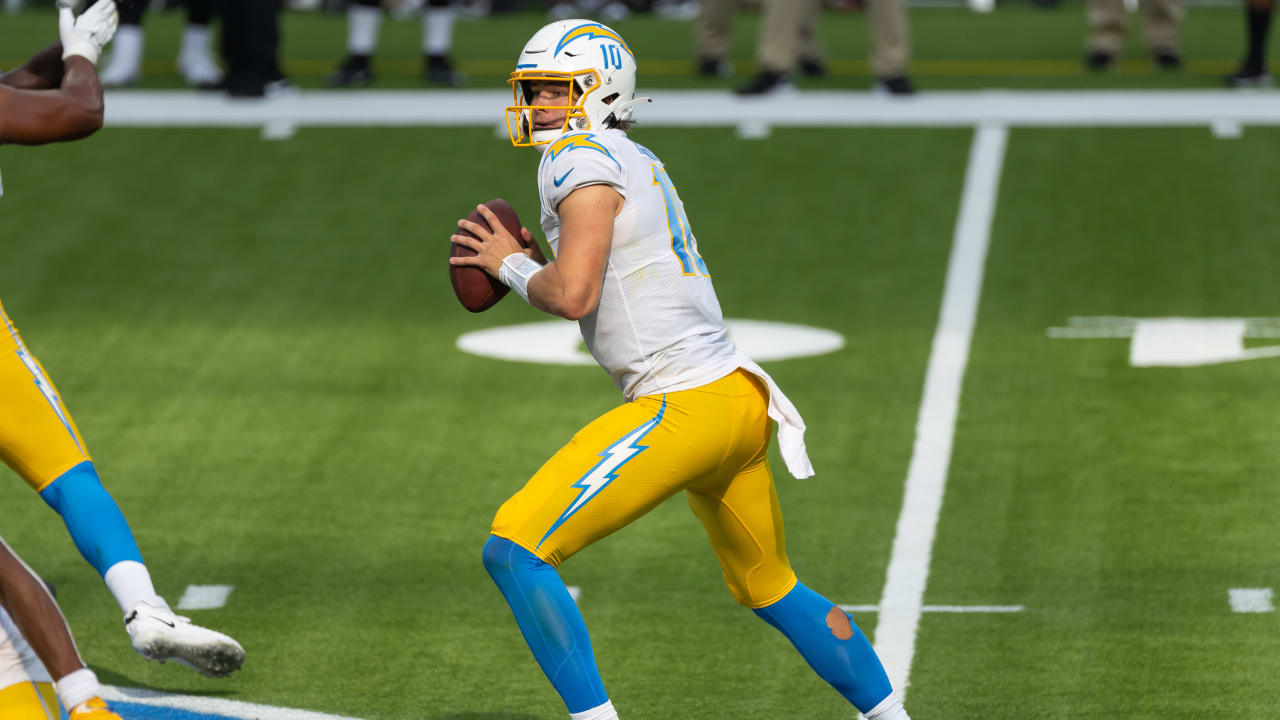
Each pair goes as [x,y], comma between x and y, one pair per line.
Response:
[159,634]
[195,61]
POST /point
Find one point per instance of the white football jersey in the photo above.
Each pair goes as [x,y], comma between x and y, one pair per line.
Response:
[658,327]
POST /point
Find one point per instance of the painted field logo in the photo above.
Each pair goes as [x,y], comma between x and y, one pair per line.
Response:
[140,704]
[557,342]
[1178,341]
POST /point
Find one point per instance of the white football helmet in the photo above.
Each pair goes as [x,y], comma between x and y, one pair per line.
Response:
[596,64]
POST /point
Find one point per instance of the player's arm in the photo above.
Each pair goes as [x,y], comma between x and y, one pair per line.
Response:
[36,615]
[72,111]
[570,286]
[42,72]
[72,107]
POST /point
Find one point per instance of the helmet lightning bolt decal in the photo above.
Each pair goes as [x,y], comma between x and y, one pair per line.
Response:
[591,30]
[606,471]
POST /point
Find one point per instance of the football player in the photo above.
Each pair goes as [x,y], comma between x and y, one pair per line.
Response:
[25,684]
[57,96]
[699,414]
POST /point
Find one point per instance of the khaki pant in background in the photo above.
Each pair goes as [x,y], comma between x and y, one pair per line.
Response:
[714,29]
[1108,23]
[890,37]
[788,33]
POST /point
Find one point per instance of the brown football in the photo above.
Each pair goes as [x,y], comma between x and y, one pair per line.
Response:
[476,289]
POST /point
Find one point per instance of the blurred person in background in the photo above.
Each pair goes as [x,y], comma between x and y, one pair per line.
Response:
[788,39]
[1253,71]
[1108,25]
[251,47]
[364,21]
[713,34]
[195,60]
[607,10]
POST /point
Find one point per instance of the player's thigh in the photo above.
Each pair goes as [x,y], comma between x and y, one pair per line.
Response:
[743,520]
[613,471]
[38,438]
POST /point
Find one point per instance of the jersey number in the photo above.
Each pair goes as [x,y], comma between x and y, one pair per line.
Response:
[683,243]
[612,56]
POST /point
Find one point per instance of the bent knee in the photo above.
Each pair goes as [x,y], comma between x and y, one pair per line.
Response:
[759,589]
[502,557]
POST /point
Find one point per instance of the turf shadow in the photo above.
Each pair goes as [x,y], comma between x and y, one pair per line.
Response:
[111,677]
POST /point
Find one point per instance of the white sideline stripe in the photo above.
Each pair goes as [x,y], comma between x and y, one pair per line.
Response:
[702,108]
[1251,600]
[945,608]
[204,597]
[908,572]
[212,706]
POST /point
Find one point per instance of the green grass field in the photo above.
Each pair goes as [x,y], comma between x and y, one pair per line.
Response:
[257,340]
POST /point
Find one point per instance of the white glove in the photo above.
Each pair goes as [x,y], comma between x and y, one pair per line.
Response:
[88,34]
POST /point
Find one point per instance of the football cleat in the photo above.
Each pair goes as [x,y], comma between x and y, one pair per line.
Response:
[92,709]
[355,71]
[159,634]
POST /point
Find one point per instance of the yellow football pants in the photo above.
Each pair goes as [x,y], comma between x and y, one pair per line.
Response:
[38,438]
[712,442]
[29,701]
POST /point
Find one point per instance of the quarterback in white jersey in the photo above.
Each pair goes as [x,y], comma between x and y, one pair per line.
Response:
[699,414]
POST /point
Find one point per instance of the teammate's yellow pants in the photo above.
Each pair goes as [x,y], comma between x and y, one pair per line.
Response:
[712,442]
[38,438]
[28,701]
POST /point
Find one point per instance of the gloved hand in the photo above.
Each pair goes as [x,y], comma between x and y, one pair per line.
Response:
[88,34]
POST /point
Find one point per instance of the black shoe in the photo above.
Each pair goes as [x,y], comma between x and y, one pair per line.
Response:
[1249,77]
[355,71]
[767,83]
[440,72]
[894,85]
[813,68]
[1166,60]
[712,67]
[1098,61]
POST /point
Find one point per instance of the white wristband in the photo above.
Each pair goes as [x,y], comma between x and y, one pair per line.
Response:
[77,687]
[517,269]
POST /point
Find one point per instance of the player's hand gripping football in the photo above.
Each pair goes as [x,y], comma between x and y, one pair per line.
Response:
[492,246]
[88,34]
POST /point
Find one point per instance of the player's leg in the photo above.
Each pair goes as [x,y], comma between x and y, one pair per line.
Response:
[743,519]
[40,441]
[364,22]
[124,67]
[437,43]
[615,470]
[195,57]
[37,617]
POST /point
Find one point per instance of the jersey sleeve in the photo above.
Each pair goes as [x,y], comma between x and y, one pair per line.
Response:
[576,161]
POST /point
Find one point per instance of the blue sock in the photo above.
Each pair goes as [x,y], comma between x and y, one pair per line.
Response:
[549,620]
[95,522]
[850,665]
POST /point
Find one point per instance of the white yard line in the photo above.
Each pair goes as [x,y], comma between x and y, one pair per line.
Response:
[1217,109]
[1251,600]
[204,597]
[903,598]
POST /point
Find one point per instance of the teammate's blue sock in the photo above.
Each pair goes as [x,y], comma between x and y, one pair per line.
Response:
[832,645]
[549,620]
[95,522]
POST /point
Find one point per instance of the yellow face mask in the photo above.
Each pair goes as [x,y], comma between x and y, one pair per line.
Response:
[578,85]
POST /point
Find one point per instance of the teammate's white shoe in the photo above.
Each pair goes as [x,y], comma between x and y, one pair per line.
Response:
[124,65]
[159,634]
[195,61]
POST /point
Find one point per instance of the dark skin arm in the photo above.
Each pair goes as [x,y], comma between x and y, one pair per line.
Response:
[42,72]
[35,613]
[70,110]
